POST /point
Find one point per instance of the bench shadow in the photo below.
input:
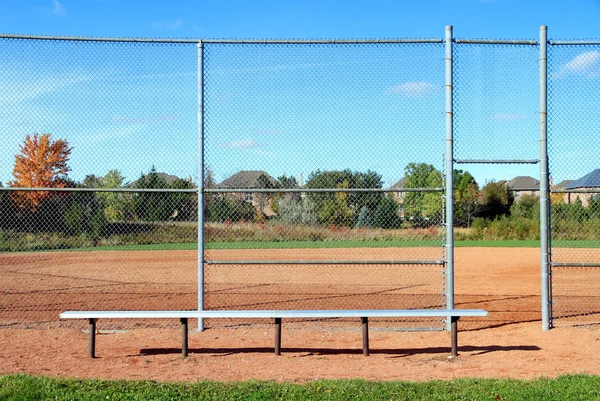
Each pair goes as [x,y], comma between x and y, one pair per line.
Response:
[398,353]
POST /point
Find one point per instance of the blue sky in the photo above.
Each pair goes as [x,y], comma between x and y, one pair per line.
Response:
[295,111]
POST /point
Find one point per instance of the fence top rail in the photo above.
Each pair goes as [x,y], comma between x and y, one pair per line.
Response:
[222,41]
[496,42]
[271,313]
[574,42]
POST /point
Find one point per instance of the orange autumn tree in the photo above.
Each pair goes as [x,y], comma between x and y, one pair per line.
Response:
[42,163]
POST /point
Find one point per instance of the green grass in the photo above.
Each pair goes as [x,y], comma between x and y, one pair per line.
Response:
[579,387]
[332,244]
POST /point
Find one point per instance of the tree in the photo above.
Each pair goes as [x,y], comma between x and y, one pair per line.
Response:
[114,203]
[337,211]
[419,206]
[364,218]
[285,182]
[386,214]
[151,206]
[528,207]
[496,200]
[184,205]
[345,179]
[42,163]
[466,198]
[264,199]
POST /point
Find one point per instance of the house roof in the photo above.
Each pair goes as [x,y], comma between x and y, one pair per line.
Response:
[245,179]
[523,182]
[591,180]
[563,183]
[400,184]
[167,178]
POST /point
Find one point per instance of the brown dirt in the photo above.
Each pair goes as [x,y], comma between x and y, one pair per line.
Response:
[508,343]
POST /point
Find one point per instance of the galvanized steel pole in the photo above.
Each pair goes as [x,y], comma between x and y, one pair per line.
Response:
[449,176]
[200,183]
[544,180]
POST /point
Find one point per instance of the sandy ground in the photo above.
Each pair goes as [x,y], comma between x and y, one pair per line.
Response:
[508,343]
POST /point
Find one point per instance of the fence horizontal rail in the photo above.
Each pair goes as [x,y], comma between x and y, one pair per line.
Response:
[582,264]
[161,190]
[223,41]
[492,161]
[317,190]
[496,42]
[97,39]
[221,190]
[573,42]
[576,191]
[319,41]
[324,262]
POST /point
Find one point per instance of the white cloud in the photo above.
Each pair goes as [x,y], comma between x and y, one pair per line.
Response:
[586,64]
[172,25]
[411,89]
[507,116]
[240,144]
[57,8]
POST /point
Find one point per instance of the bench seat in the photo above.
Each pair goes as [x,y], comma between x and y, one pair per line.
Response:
[452,314]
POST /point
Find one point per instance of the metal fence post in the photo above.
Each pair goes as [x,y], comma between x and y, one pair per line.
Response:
[200,183]
[449,176]
[544,179]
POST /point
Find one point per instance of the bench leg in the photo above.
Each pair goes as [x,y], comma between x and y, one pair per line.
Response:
[92,330]
[365,335]
[454,334]
[184,336]
[277,336]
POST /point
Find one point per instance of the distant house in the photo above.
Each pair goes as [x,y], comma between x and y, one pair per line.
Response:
[523,185]
[588,181]
[562,186]
[249,179]
[399,196]
[167,178]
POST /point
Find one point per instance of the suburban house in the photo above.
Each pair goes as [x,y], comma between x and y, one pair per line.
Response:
[588,181]
[399,196]
[523,185]
[250,179]
[562,186]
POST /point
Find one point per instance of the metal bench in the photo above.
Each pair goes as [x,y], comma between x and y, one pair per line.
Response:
[277,315]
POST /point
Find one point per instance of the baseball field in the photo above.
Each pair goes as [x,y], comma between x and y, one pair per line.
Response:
[509,342]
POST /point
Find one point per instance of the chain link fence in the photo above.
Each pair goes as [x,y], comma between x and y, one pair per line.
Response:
[111,129]
[323,170]
[311,174]
[324,165]
[494,137]
[573,97]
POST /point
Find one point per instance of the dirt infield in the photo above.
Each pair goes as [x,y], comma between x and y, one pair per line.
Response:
[506,282]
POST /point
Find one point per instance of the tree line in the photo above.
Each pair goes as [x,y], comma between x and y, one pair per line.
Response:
[43,162]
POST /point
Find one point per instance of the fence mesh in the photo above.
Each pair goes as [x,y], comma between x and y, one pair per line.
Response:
[323,174]
[496,120]
[574,94]
[287,126]
[96,116]
[112,128]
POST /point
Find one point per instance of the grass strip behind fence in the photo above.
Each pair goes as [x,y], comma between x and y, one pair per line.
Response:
[328,244]
[577,387]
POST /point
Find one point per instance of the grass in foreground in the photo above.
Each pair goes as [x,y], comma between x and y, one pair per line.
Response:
[578,387]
